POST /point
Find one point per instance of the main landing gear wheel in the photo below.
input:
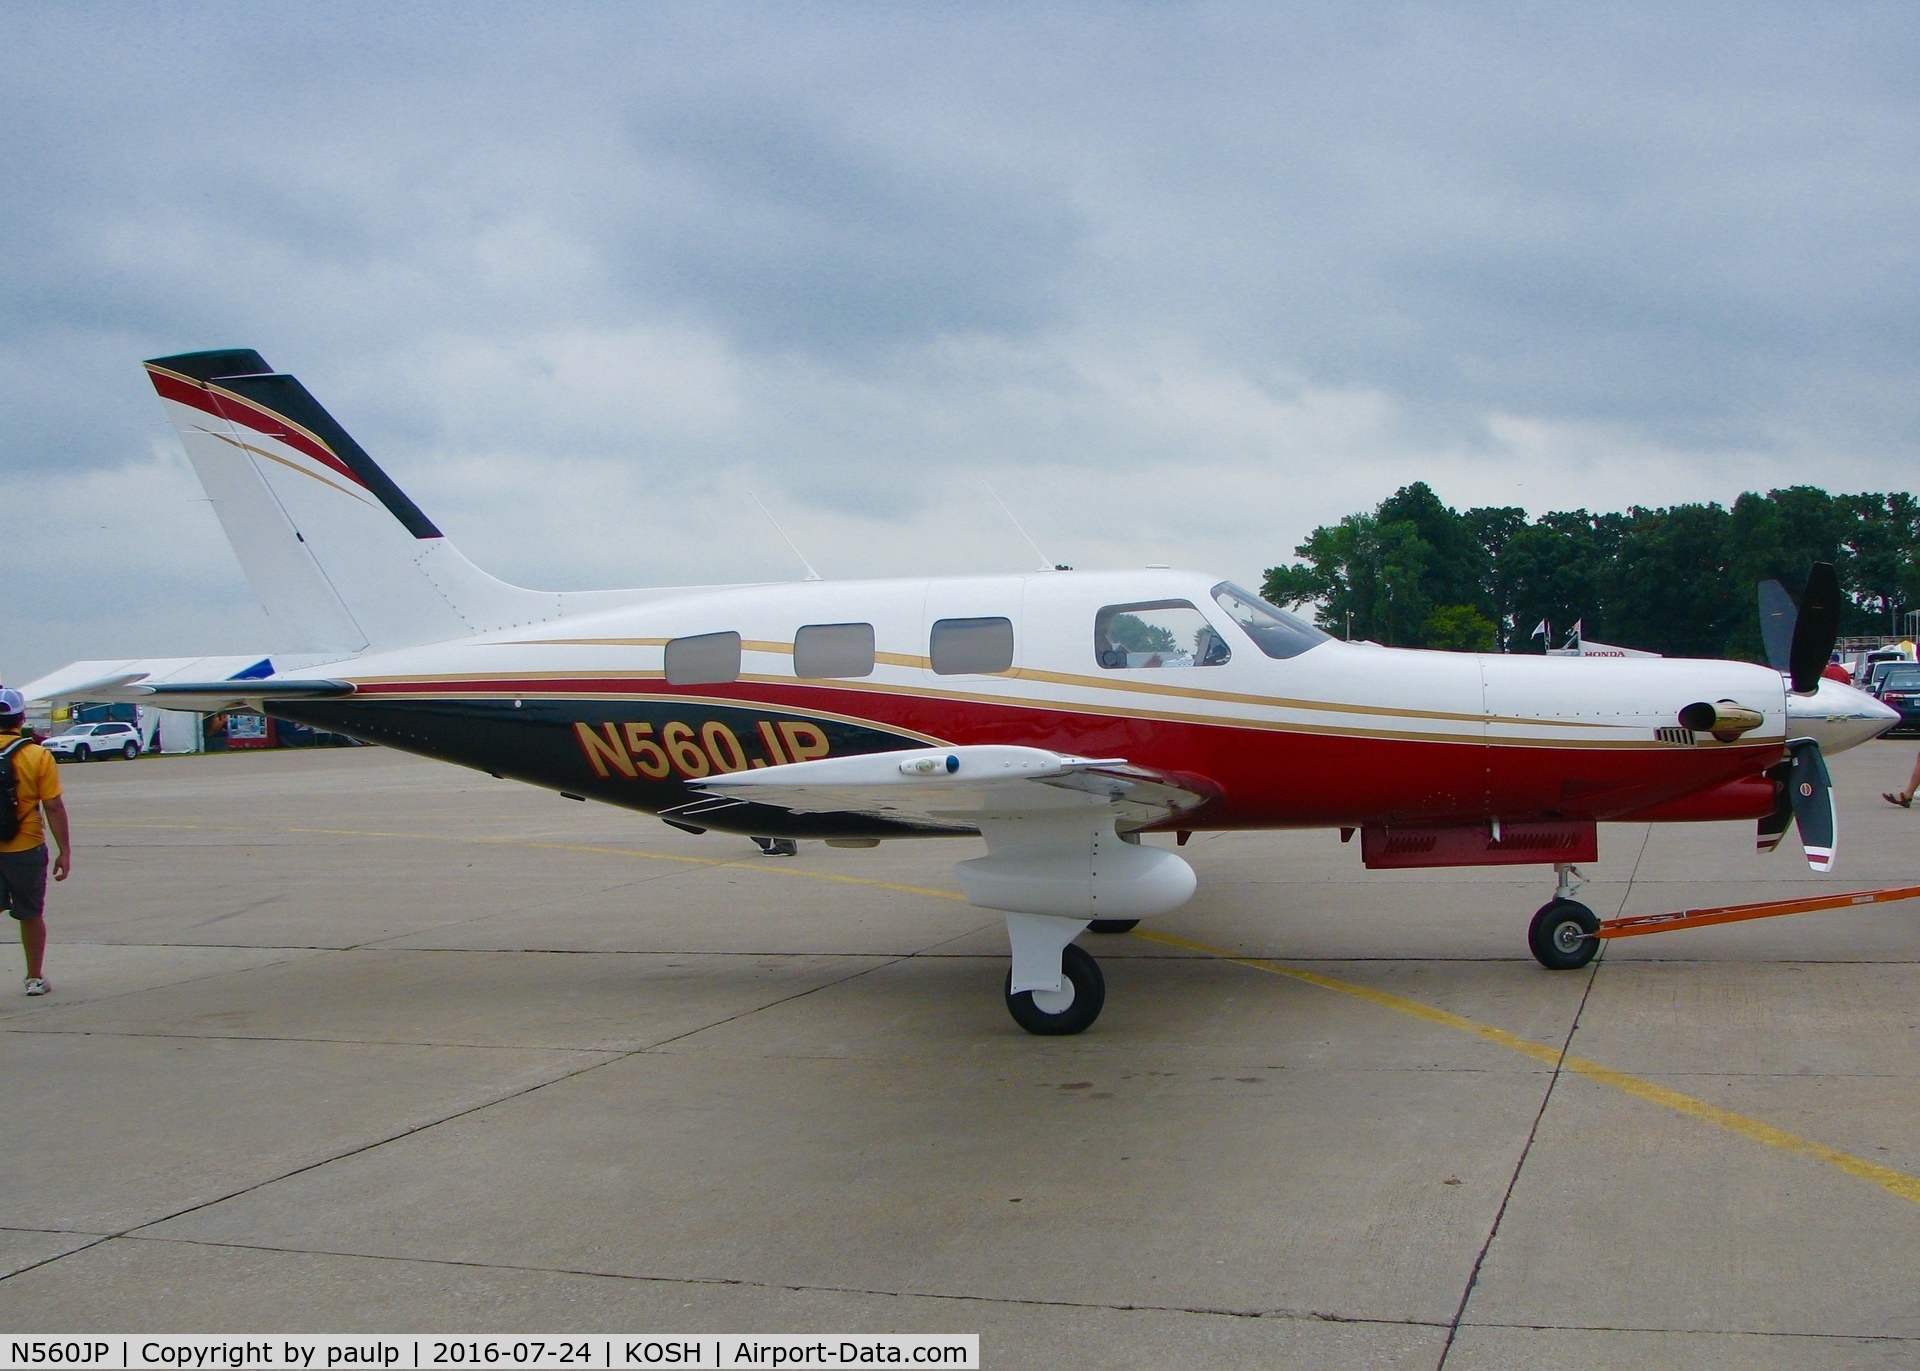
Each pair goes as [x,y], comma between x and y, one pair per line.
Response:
[1113,925]
[1070,1009]
[1562,935]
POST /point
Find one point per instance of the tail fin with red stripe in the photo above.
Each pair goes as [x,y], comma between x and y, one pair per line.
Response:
[339,557]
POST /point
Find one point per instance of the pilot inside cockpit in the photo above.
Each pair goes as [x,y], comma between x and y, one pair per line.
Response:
[1157,634]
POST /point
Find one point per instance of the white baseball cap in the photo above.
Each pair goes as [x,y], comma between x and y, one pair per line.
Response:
[12,702]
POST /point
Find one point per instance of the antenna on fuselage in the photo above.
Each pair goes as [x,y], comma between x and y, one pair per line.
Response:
[812,575]
[1046,563]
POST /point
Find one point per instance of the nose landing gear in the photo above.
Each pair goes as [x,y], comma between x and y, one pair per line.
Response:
[1564,933]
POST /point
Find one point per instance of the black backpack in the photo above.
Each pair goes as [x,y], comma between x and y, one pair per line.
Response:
[9,792]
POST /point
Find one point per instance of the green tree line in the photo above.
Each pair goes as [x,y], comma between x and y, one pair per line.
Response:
[1679,581]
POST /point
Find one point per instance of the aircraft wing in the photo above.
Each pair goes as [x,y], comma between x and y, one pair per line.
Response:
[957,787]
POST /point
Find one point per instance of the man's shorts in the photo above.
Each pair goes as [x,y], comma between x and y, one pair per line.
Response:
[23,882]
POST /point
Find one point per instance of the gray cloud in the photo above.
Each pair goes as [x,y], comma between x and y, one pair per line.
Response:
[800,235]
[862,256]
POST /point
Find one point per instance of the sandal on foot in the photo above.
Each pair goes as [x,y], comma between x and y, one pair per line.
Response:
[1894,799]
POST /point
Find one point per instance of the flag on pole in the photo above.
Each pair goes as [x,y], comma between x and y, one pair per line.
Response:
[1577,624]
[1541,631]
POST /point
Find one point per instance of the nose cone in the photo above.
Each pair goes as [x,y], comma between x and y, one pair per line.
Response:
[1838,717]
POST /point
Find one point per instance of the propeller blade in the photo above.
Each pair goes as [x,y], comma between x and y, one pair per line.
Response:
[1774,827]
[1778,613]
[1812,797]
[1816,629]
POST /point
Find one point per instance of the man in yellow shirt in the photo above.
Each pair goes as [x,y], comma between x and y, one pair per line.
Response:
[23,853]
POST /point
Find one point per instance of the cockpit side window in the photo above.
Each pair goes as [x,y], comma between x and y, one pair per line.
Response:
[1156,633]
[1274,631]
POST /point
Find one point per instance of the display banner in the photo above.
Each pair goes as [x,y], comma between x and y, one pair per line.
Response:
[550,1352]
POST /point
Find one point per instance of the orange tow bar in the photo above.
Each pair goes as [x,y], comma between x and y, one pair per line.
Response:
[1634,925]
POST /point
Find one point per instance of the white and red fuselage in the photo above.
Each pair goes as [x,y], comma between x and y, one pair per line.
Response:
[1341,734]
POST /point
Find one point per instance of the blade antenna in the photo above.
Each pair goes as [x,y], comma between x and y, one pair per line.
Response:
[1045,563]
[812,575]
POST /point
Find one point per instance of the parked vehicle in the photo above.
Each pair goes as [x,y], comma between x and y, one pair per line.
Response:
[1900,689]
[1877,672]
[83,742]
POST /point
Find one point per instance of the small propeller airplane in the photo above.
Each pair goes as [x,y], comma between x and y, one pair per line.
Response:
[1060,716]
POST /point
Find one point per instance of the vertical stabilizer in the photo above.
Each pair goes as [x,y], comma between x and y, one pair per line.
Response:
[338,555]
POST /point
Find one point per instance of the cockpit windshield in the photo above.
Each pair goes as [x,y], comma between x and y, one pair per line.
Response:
[1274,631]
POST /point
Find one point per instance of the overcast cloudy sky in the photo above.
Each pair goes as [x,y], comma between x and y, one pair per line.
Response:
[1181,281]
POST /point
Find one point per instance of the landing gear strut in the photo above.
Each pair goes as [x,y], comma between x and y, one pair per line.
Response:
[1563,935]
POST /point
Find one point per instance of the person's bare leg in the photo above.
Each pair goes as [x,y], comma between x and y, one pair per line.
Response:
[33,939]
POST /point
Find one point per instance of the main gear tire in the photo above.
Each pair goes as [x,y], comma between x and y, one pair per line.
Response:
[1071,1009]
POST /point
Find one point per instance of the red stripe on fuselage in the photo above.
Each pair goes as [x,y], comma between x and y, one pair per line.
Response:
[262,421]
[1268,777]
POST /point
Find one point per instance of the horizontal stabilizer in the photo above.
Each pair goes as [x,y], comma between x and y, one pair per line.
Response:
[205,684]
[213,697]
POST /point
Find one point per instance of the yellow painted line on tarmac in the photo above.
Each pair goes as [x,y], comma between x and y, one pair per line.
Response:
[1893,1182]
[763,867]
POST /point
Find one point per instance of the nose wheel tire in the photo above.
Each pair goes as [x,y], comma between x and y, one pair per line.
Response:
[1070,1009]
[1562,935]
[1113,925]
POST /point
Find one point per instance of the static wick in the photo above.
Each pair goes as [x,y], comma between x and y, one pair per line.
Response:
[812,575]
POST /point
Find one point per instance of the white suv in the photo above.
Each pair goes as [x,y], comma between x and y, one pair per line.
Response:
[85,741]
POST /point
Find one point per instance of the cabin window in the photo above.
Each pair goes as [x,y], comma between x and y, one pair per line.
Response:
[971,647]
[1157,633]
[710,659]
[833,650]
[1274,631]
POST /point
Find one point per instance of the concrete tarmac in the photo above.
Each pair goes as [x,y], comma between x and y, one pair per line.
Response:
[352,1041]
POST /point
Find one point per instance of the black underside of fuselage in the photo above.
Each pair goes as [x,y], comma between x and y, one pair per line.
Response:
[611,750]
